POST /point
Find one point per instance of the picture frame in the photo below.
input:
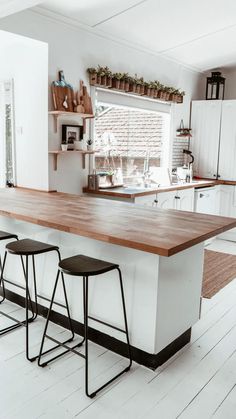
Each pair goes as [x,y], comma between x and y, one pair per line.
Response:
[71,133]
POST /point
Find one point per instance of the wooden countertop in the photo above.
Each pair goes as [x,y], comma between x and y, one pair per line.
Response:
[131,193]
[158,231]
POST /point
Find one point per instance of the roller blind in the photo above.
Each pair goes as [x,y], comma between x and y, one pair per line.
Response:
[124,99]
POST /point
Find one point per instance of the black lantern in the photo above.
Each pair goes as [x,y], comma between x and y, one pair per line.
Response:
[215,87]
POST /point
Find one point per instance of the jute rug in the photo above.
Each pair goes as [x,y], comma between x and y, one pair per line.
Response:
[219,270]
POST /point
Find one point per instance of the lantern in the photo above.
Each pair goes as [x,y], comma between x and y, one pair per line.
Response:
[215,87]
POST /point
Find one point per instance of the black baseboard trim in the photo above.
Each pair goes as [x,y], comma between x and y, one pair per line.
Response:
[141,357]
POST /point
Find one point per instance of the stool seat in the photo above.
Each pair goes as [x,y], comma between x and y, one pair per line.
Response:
[4,235]
[29,247]
[81,265]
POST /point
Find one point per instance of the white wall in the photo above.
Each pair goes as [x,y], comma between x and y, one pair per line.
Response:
[73,50]
[26,61]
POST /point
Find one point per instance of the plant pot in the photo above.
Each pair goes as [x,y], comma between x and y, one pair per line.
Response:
[155,93]
[142,90]
[89,147]
[180,99]
[64,147]
[115,83]
[162,95]
[147,91]
[93,79]
[103,80]
[109,81]
[99,79]
[138,89]
[132,88]
[122,85]
[126,86]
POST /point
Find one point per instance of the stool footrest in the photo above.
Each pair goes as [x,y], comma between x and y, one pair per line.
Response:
[19,323]
[106,324]
[62,344]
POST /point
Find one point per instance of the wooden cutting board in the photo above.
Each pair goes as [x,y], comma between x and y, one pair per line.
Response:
[61,96]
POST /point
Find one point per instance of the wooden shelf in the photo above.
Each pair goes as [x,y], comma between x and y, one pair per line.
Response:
[69,152]
[57,114]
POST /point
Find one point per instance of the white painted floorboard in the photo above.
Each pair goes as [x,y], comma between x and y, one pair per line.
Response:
[198,382]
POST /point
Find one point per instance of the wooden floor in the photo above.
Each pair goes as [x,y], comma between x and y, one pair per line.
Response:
[198,382]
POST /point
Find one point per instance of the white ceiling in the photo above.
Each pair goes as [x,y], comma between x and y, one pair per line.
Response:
[8,7]
[197,33]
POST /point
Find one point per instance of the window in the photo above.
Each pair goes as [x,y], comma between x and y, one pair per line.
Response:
[132,139]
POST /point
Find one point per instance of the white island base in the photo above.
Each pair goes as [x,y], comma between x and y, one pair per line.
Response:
[163,294]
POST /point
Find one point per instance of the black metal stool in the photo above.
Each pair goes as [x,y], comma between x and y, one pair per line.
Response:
[28,247]
[5,236]
[85,267]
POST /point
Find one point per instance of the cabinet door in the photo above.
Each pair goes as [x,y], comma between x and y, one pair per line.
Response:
[185,199]
[227,159]
[147,200]
[166,200]
[205,124]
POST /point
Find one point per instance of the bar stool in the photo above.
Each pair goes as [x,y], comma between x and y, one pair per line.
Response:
[5,236]
[28,247]
[83,266]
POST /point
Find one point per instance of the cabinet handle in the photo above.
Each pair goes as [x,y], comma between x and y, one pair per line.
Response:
[155,201]
[177,197]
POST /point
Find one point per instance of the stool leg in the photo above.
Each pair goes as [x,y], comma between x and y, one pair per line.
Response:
[125,317]
[1,279]
[41,353]
[91,395]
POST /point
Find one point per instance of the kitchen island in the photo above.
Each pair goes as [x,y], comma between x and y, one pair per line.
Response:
[160,253]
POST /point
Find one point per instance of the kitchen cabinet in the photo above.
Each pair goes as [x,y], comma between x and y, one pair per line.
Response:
[166,200]
[205,124]
[227,152]
[176,199]
[184,200]
[207,200]
[228,208]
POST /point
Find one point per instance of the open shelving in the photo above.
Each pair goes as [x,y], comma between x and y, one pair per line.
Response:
[83,153]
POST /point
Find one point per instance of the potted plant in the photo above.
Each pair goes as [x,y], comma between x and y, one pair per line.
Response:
[124,82]
[163,92]
[181,97]
[116,80]
[90,145]
[140,88]
[92,76]
[101,75]
[108,74]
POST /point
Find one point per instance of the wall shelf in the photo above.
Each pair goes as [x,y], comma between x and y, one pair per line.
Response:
[56,153]
[57,114]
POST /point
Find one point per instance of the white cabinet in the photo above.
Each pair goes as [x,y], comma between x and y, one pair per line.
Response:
[228,208]
[227,156]
[184,200]
[179,199]
[166,200]
[147,200]
[205,124]
[206,200]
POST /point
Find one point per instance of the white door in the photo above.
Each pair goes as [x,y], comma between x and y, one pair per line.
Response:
[166,200]
[227,159]
[185,199]
[205,124]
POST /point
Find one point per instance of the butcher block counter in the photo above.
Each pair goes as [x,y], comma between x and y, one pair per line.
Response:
[160,252]
[162,232]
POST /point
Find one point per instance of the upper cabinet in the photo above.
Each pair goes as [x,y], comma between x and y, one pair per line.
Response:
[227,152]
[205,124]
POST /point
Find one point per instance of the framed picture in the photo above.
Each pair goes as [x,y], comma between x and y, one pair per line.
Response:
[71,133]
